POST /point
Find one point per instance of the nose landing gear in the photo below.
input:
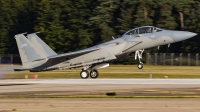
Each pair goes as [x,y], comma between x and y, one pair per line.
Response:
[138,54]
[140,66]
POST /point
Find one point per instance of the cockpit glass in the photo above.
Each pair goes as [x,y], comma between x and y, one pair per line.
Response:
[136,31]
[142,30]
[157,29]
[132,32]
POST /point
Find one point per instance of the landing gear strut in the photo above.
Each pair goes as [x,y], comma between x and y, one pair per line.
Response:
[138,54]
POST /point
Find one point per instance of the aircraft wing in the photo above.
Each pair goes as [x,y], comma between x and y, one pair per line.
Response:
[74,54]
[55,59]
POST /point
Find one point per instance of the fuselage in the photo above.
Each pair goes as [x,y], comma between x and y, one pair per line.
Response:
[135,39]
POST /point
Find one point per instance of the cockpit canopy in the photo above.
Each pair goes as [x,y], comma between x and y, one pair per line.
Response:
[143,29]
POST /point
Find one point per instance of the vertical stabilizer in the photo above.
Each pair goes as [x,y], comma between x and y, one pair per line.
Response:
[41,44]
[28,51]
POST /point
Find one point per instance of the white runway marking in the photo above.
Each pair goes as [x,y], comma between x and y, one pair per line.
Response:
[101,81]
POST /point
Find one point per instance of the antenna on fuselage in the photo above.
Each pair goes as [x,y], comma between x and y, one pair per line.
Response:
[113,37]
[168,45]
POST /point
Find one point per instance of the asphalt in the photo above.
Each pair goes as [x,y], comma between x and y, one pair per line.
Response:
[101,81]
[99,105]
[11,91]
[140,87]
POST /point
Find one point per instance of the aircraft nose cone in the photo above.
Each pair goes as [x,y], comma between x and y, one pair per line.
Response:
[183,35]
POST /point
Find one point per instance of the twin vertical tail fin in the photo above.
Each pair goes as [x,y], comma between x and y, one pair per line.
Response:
[32,49]
[44,48]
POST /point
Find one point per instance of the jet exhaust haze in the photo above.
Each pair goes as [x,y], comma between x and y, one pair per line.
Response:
[4,69]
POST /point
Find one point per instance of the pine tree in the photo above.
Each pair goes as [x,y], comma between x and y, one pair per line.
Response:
[104,20]
[5,20]
[191,12]
[164,15]
[126,19]
[77,22]
[17,16]
[144,13]
[64,24]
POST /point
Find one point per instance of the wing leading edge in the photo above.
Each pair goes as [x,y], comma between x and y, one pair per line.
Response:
[73,54]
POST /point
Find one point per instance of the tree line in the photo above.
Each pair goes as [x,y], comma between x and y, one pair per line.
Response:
[70,25]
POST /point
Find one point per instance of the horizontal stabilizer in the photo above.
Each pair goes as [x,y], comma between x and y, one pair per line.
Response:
[20,69]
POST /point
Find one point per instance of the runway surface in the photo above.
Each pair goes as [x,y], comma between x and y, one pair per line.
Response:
[99,105]
[130,87]
[101,81]
[39,95]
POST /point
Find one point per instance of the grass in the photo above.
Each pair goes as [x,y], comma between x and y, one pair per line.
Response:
[118,71]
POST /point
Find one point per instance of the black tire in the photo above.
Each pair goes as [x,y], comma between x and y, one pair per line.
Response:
[84,74]
[140,66]
[94,74]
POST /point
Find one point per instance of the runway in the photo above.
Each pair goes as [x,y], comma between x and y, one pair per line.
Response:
[38,95]
[129,87]
[101,81]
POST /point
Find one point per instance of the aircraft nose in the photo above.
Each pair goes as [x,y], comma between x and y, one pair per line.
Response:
[183,35]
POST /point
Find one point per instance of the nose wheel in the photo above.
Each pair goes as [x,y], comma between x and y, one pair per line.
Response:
[140,66]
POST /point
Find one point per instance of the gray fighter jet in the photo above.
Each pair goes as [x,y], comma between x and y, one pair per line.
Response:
[37,56]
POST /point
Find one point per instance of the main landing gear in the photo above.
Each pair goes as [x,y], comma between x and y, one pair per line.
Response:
[138,54]
[93,70]
[85,74]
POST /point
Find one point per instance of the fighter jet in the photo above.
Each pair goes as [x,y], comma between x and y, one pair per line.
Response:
[37,56]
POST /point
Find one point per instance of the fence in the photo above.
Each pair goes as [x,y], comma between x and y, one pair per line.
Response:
[10,59]
[177,59]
